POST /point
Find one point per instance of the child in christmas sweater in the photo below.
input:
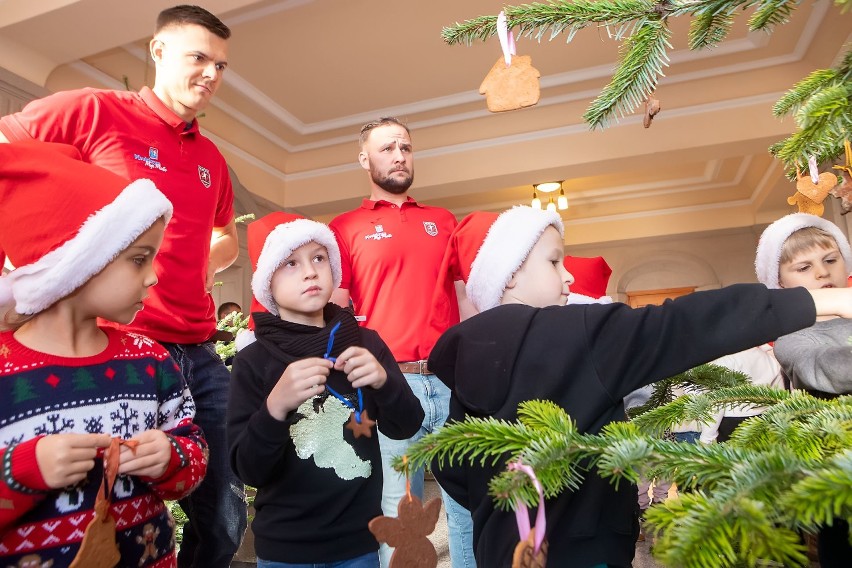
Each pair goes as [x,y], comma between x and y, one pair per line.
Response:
[67,386]
[527,344]
[305,400]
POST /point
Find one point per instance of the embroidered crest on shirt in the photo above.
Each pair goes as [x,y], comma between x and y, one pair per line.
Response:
[319,434]
[204,176]
[379,234]
[431,228]
[152,160]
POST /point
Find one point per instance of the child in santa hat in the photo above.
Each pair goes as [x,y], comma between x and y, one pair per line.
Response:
[527,344]
[812,252]
[83,240]
[304,401]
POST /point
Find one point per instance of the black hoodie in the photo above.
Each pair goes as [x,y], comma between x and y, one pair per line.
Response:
[586,358]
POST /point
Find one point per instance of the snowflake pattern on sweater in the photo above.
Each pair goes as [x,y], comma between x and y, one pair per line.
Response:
[132,386]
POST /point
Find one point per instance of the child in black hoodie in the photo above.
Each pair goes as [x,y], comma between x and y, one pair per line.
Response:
[527,344]
[305,398]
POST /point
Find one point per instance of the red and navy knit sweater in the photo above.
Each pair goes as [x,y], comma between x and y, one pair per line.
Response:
[132,386]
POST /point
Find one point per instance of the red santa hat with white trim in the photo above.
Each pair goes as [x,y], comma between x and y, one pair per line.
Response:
[272,239]
[485,250]
[63,220]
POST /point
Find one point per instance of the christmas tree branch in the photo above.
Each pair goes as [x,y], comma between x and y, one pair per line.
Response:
[784,470]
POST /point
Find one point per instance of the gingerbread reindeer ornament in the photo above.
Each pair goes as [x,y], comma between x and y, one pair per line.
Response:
[99,549]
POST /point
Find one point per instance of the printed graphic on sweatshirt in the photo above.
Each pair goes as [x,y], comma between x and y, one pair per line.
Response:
[320,435]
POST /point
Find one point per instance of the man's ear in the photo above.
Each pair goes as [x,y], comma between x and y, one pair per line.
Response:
[364,160]
[155,47]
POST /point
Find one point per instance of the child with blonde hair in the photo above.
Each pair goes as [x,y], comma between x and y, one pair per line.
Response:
[812,252]
[83,240]
[527,344]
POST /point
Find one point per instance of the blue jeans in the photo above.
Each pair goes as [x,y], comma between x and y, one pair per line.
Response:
[370,560]
[688,437]
[434,397]
[217,508]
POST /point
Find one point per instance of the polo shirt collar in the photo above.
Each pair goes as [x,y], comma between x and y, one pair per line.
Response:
[166,114]
[370,204]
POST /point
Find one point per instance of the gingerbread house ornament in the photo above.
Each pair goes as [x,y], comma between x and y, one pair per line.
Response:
[512,83]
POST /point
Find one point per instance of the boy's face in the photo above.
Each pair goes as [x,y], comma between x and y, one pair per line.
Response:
[542,279]
[116,292]
[302,285]
[814,268]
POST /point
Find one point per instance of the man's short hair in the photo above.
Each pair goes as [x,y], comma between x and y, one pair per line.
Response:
[185,14]
[226,308]
[384,121]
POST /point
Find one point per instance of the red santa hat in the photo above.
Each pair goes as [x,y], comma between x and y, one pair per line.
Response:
[485,250]
[768,258]
[272,239]
[591,277]
[63,220]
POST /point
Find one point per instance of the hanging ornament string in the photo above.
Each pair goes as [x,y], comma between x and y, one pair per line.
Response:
[507,38]
[522,513]
[331,343]
[359,422]
[813,167]
[407,477]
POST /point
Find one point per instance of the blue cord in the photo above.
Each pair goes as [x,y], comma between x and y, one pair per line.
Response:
[336,394]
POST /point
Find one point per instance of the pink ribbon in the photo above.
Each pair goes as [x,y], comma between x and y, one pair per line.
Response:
[522,514]
[507,39]
[814,169]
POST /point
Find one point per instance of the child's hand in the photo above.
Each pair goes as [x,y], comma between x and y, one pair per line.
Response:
[300,381]
[833,302]
[151,457]
[361,368]
[65,459]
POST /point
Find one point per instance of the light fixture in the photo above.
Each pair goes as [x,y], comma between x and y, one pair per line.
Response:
[548,186]
[562,201]
[536,202]
[551,206]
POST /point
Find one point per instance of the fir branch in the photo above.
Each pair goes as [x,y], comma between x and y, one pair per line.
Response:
[771,13]
[822,496]
[706,30]
[803,90]
[643,56]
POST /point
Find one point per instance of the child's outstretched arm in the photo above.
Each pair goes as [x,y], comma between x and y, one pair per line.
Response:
[833,301]
[33,468]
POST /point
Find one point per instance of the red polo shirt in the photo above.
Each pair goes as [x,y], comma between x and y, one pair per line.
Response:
[136,136]
[390,259]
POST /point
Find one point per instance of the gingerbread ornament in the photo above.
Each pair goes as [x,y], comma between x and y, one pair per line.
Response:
[809,193]
[512,82]
[531,552]
[361,424]
[99,549]
[408,533]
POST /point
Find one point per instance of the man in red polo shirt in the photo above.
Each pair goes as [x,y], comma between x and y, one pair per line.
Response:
[154,134]
[391,248]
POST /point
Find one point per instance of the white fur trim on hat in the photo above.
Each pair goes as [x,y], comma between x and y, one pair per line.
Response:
[101,238]
[280,244]
[506,246]
[768,257]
